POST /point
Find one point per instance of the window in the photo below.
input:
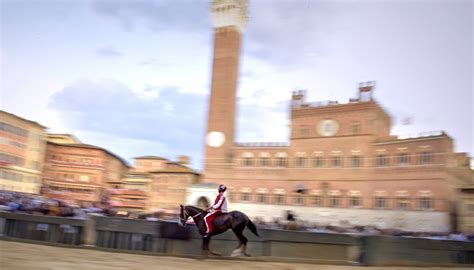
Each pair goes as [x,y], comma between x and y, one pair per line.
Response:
[281,161]
[425,203]
[335,201]
[316,200]
[304,130]
[403,159]
[262,198]
[426,158]
[301,162]
[298,199]
[354,201]
[355,128]
[318,162]
[279,199]
[380,203]
[248,161]
[336,162]
[356,161]
[245,197]
[265,161]
[403,203]
[381,161]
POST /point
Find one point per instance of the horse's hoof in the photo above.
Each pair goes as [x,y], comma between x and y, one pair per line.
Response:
[216,254]
[235,253]
[248,255]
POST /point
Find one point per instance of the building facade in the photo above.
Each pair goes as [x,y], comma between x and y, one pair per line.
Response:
[155,184]
[341,165]
[80,172]
[23,145]
[466,209]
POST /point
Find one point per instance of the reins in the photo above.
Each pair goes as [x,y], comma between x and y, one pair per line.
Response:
[195,216]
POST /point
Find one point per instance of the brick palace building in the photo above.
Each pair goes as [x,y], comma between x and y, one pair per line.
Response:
[341,164]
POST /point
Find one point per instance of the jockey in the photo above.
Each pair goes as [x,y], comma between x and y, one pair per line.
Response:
[220,205]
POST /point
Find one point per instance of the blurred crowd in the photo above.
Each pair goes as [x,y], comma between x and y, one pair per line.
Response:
[291,223]
[40,205]
[37,204]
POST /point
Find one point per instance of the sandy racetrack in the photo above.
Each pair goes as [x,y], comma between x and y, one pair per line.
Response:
[18,256]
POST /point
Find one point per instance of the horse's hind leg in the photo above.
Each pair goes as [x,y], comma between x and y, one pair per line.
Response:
[243,244]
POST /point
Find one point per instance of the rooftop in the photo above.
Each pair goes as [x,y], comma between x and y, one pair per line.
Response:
[23,119]
[151,157]
[90,146]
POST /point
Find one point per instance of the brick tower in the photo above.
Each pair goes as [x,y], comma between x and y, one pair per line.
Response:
[229,18]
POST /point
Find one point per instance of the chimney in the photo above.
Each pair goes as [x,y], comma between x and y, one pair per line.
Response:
[298,98]
[366,90]
[184,160]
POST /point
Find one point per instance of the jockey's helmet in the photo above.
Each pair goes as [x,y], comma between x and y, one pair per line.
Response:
[222,188]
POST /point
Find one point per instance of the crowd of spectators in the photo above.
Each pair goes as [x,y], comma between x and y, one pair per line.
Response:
[290,222]
[37,204]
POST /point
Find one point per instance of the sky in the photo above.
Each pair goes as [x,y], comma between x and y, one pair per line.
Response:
[134,76]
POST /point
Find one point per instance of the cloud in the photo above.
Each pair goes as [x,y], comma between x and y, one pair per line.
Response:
[288,34]
[154,63]
[174,121]
[109,52]
[155,15]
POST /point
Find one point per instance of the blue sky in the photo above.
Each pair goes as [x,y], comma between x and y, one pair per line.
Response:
[133,76]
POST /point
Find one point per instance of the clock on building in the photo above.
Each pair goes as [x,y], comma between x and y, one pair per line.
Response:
[215,139]
[327,127]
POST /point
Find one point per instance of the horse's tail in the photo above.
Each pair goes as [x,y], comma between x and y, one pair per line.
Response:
[251,226]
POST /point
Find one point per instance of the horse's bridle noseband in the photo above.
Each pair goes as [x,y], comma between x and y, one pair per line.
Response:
[187,215]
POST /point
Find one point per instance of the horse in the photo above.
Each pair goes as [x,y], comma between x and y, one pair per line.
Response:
[235,220]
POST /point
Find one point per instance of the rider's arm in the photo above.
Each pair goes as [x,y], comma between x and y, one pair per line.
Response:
[219,203]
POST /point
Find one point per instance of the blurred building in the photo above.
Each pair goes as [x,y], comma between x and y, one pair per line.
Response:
[75,171]
[341,164]
[466,209]
[155,184]
[22,153]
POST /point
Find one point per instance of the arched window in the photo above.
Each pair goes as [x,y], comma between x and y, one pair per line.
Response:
[245,195]
[381,161]
[335,199]
[336,161]
[318,160]
[355,128]
[303,130]
[425,200]
[281,159]
[355,200]
[264,159]
[356,161]
[426,158]
[316,198]
[402,200]
[380,200]
[300,160]
[403,159]
[262,195]
[247,159]
[279,196]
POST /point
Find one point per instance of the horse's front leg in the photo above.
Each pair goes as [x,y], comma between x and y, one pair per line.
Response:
[205,246]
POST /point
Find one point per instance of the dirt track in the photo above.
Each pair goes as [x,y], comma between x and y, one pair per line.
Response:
[18,256]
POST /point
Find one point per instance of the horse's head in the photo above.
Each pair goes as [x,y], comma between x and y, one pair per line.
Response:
[183,215]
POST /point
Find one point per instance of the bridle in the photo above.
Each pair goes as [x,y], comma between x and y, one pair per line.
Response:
[187,216]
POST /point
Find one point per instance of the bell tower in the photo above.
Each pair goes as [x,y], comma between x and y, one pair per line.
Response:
[229,18]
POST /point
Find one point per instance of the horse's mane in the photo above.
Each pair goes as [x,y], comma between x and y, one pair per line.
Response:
[194,208]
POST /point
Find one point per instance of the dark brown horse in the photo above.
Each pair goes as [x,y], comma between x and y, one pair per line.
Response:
[235,220]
